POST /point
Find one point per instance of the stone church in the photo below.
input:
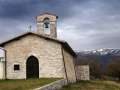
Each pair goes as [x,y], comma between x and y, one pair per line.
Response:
[38,54]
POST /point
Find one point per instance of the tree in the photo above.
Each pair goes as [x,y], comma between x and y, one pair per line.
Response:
[113,68]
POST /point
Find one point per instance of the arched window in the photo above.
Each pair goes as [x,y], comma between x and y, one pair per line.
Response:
[47,25]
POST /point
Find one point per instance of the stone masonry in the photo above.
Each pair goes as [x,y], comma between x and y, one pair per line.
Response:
[70,68]
[53,22]
[47,52]
[82,72]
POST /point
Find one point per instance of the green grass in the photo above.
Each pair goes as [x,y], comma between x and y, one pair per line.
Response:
[24,84]
[93,85]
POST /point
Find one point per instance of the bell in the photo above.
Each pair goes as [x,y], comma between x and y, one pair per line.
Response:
[46,25]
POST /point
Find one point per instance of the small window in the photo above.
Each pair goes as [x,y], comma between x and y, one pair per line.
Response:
[16,67]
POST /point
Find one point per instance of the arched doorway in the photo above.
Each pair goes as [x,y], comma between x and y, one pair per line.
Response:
[32,67]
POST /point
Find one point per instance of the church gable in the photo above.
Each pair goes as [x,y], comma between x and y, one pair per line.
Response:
[28,34]
[63,43]
[29,39]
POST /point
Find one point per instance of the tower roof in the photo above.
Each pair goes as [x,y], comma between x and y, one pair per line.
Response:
[48,13]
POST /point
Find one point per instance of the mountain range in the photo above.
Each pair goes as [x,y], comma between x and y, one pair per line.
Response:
[101,52]
[102,57]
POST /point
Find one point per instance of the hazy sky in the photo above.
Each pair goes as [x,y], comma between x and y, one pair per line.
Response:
[85,24]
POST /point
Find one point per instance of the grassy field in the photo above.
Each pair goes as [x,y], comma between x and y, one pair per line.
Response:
[24,84]
[93,85]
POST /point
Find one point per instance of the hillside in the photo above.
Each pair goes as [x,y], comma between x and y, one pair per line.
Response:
[93,85]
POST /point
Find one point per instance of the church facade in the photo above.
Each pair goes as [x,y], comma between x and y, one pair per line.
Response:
[39,54]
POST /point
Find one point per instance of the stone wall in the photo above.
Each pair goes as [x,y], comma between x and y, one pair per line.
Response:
[2,63]
[47,52]
[2,69]
[69,65]
[53,86]
[82,72]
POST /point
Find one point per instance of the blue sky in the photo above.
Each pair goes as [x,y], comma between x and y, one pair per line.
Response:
[85,24]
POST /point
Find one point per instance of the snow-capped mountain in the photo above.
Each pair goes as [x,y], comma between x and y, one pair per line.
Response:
[115,52]
[100,58]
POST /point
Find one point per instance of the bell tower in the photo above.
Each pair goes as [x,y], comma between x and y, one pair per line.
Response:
[46,24]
